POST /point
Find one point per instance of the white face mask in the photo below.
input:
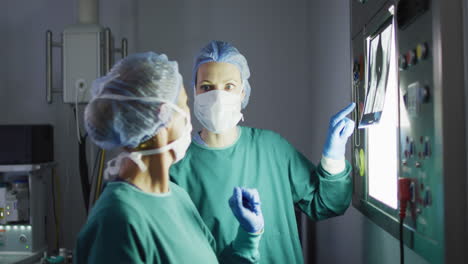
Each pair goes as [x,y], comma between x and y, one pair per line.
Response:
[179,146]
[218,111]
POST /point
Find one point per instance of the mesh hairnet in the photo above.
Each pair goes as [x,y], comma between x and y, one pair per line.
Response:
[113,123]
[220,51]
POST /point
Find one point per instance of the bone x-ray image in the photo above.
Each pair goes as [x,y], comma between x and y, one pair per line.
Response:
[378,65]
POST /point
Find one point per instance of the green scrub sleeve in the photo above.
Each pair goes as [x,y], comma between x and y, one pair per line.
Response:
[324,195]
[244,248]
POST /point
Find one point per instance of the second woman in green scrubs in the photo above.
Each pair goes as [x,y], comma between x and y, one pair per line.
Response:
[224,155]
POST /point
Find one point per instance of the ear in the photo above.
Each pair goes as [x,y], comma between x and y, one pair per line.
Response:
[243,94]
[164,114]
[169,117]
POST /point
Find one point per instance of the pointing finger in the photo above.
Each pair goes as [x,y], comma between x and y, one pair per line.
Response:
[343,113]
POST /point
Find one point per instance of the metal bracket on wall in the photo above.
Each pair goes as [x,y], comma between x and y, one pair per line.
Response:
[110,50]
[49,45]
[108,58]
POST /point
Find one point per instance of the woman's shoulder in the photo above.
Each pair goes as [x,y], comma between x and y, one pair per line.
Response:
[112,216]
[114,203]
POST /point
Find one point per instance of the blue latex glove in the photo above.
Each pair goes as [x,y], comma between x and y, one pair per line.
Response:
[339,131]
[245,205]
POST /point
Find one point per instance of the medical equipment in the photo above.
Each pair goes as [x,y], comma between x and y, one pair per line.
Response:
[87,53]
[23,207]
[409,91]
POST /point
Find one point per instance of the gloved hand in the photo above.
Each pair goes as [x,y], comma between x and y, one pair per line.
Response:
[245,205]
[339,130]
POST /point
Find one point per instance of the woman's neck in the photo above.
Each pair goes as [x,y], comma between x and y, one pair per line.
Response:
[220,140]
[155,179]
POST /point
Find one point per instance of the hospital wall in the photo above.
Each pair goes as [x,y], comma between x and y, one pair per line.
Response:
[299,56]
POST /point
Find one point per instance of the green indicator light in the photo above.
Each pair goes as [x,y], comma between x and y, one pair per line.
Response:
[27,247]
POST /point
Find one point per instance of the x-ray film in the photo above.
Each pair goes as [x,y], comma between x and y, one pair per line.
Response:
[378,65]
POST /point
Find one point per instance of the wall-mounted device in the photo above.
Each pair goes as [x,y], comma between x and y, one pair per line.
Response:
[81,68]
[87,54]
[410,142]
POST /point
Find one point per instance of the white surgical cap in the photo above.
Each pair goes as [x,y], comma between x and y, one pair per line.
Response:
[113,123]
[220,51]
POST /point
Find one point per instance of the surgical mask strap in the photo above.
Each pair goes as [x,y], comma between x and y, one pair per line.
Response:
[113,166]
[136,155]
[154,151]
[143,99]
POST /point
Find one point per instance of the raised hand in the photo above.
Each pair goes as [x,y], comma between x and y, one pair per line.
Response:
[339,130]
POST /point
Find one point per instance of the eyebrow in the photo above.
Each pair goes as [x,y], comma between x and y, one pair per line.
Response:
[230,80]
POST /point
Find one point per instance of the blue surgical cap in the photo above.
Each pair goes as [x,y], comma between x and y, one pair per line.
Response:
[116,123]
[220,51]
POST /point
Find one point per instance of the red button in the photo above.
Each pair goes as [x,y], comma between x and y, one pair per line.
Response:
[411,57]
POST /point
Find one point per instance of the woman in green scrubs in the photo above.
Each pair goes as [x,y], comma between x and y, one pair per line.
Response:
[142,217]
[223,155]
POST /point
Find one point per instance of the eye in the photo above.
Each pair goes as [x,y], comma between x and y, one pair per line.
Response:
[230,86]
[205,88]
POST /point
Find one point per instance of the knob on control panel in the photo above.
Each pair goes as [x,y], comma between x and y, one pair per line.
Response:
[403,64]
[411,57]
[23,238]
[425,94]
[421,51]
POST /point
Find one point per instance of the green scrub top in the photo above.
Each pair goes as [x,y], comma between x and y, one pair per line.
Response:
[264,160]
[127,225]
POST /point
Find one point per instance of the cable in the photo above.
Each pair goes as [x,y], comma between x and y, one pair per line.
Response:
[57,229]
[402,249]
[78,133]
[404,196]
[57,187]
[100,175]
[97,177]
[95,163]
[83,166]
[82,160]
